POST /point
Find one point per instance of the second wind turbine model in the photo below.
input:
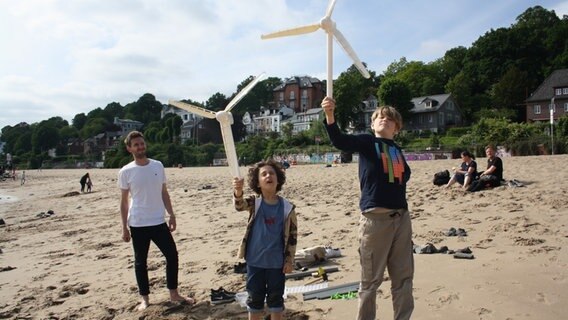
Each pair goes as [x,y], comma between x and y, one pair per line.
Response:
[225,118]
[328,26]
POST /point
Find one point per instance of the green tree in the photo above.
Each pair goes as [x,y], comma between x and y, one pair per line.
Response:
[79,120]
[510,91]
[395,92]
[146,109]
[93,127]
[350,89]
[45,137]
[67,133]
[287,130]
[217,102]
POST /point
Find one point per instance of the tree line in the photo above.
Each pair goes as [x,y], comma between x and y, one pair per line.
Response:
[490,82]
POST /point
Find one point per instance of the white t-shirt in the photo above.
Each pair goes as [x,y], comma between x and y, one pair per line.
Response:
[145,186]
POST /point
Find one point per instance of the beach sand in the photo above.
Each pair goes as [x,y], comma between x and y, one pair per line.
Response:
[73,264]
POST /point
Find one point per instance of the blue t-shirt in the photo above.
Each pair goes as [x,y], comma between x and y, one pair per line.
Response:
[265,247]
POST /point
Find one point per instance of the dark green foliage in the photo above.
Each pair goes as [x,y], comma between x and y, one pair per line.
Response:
[350,89]
[489,80]
[396,93]
[458,131]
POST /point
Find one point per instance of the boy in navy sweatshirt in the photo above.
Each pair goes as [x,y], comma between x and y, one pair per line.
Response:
[385,232]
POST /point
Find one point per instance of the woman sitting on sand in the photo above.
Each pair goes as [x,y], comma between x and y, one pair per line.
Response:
[467,171]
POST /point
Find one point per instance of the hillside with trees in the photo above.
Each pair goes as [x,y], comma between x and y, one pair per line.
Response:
[490,80]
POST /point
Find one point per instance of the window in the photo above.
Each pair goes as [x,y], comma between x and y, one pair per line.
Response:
[430,118]
[292,105]
[450,105]
[536,109]
[552,107]
[281,98]
[292,95]
[558,91]
[421,119]
[565,91]
[566,107]
[441,118]
[428,104]
[304,93]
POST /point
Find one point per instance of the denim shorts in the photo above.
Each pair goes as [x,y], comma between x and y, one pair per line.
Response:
[265,284]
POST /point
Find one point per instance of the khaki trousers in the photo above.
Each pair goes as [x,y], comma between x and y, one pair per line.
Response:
[385,241]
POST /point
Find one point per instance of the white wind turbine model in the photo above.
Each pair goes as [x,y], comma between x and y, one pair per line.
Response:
[328,26]
[225,119]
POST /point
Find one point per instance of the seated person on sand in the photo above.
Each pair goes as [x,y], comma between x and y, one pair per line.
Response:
[491,177]
[466,173]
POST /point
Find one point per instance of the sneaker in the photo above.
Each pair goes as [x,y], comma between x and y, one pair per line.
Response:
[221,297]
[222,291]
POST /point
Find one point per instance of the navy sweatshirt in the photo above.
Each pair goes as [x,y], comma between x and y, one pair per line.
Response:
[383,171]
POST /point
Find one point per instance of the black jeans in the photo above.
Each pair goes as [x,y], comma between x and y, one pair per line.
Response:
[484,182]
[162,237]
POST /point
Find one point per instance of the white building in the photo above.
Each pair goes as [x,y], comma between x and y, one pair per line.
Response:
[267,120]
[190,121]
[302,121]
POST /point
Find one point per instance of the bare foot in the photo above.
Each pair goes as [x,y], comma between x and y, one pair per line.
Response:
[144,303]
[176,297]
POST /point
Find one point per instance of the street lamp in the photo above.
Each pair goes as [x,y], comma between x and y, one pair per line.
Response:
[552,124]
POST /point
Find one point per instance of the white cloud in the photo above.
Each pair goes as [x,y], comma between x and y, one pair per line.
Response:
[60,58]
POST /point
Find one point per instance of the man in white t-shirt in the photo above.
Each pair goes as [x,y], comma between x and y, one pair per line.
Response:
[143,218]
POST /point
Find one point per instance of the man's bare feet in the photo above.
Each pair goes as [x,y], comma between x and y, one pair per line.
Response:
[176,297]
[144,303]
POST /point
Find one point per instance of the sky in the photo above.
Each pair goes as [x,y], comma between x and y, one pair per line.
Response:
[62,58]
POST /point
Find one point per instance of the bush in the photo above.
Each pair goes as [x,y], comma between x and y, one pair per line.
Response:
[458,131]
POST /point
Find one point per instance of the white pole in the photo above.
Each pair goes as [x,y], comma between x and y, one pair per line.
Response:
[329,85]
[552,124]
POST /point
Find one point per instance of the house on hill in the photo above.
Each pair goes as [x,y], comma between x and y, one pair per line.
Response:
[300,93]
[550,97]
[434,113]
[127,125]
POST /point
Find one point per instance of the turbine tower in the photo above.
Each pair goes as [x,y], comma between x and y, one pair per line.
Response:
[328,26]
[225,118]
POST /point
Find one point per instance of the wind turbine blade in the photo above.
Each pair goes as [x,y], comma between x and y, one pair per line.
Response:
[350,52]
[225,119]
[193,109]
[330,7]
[243,92]
[291,32]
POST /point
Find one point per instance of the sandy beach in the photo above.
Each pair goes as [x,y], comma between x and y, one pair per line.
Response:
[72,264]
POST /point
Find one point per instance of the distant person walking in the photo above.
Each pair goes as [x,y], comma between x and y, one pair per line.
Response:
[143,219]
[84,180]
[23,178]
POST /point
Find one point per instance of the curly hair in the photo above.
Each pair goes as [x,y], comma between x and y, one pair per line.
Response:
[252,178]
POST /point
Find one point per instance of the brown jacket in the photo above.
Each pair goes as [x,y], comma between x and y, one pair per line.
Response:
[252,204]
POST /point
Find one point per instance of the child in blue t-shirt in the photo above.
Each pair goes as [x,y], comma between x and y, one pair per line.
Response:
[269,244]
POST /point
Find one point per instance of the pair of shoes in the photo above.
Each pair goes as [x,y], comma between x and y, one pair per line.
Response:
[464,253]
[515,183]
[240,267]
[221,295]
[427,249]
[452,232]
